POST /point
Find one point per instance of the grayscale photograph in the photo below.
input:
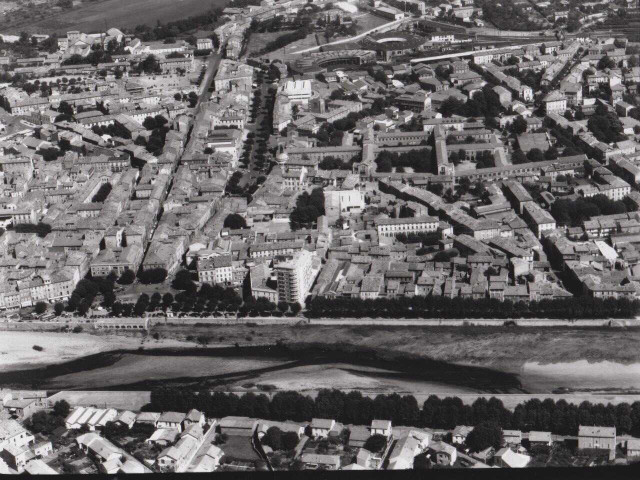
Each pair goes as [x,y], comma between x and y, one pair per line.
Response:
[300,239]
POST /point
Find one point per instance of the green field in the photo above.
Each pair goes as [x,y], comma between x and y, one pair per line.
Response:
[92,17]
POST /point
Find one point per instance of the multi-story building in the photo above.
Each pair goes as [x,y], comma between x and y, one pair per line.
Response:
[295,278]
[216,270]
[117,260]
[233,76]
[596,437]
[555,102]
[390,227]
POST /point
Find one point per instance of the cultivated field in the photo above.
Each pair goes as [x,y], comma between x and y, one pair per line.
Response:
[92,17]
[122,400]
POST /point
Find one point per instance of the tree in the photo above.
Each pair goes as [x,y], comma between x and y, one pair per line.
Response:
[58,308]
[295,308]
[235,221]
[273,438]
[127,277]
[289,440]
[486,434]
[41,307]
[65,109]
[375,443]
[519,157]
[518,126]
[535,155]
[61,408]
[152,275]
[183,281]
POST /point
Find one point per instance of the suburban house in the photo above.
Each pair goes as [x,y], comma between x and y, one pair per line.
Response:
[443,453]
[314,461]
[381,427]
[459,435]
[284,427]
[241,426]
[148,418]
[507,458]
[194,416]
[209,461]
[163,437]
[512,437]
[100,448]
[320,427]
[540,438]
[358,436]
[171,420]
[633,447]
[126,418]
[597,437]
[176,457]
[12,433]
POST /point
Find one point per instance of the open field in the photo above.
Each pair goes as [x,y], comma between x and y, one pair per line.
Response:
[257,41]
[122,400]
[92,17]
[16,348]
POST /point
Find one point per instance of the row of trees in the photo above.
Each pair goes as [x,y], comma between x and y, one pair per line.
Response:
[558,417]
[418,160]
[575,212]
[460,307]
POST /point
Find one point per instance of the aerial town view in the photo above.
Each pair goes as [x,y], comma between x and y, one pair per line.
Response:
[254,236]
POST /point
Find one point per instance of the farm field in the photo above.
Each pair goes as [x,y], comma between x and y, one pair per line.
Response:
[92,17]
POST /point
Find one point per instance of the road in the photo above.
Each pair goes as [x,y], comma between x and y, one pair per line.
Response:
[379,28]
[212,68]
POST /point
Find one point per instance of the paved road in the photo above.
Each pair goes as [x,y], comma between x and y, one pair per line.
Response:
[212,68]
[395,23]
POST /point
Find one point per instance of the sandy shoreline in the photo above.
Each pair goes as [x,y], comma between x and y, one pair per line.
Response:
[16,347]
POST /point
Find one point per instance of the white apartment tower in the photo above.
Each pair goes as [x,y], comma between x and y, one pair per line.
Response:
[295,278]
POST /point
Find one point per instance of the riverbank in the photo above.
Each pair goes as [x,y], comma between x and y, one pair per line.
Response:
[17,352]
[454,360]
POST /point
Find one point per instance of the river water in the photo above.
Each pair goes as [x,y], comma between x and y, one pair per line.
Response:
[314,368]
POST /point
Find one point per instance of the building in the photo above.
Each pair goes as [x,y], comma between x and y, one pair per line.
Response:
[216,270]
[540,438]
[298,91]
[295,277]
[460,433]
[204,44]
[171,420]
[538,219]
[555,102]
[315,461]
[507,458]
[233,76]
[238,426]
[390,227]
[596,437]
[320,427]
[381,427]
